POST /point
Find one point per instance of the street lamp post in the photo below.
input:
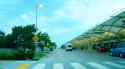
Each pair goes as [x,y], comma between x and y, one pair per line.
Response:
[36,16]
[38,5]
[36,37]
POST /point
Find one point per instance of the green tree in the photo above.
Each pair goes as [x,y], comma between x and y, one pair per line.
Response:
[45,38]
[21,36]
[2,33]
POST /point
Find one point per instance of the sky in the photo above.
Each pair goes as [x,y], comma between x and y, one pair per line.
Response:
[63,20]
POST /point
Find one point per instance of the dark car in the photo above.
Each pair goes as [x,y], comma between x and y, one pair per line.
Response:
[119,50]
[101,49]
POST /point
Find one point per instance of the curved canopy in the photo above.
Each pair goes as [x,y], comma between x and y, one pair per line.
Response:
[111,27]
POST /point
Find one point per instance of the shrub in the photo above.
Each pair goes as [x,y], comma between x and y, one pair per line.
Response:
[20,53]
[7,56]
[29,53]
[38,55]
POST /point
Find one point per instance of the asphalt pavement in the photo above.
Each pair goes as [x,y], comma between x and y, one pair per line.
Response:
[76,59]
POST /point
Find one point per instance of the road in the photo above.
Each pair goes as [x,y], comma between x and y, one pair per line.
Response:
[60,59]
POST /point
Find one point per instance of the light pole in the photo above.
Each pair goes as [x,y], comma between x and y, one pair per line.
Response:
[36,38]
[38,5]
[36,16]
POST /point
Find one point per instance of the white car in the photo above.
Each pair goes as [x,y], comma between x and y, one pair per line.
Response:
[69,48]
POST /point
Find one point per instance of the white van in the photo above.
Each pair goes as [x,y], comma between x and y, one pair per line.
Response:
[69,47]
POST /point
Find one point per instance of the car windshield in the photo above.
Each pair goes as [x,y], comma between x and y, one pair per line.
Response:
[69,46]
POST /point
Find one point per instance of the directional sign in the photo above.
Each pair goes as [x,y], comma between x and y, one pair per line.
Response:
[36,38]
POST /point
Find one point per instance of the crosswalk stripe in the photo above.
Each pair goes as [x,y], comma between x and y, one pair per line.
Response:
[39,66]
[58,66]
[123,62]
[115,64]
[98,66]
[77,66]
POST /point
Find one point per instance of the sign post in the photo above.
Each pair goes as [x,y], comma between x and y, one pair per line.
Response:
[36,39]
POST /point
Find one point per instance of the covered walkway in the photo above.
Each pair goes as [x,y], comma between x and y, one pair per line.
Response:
[108,33]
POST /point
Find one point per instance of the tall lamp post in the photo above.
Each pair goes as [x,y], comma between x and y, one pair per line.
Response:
[36,38]
[38,5]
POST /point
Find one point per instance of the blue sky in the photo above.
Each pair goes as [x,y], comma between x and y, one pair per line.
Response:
[62,19]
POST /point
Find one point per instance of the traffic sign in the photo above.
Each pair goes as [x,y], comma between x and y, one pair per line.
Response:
[47,44]
[36,38]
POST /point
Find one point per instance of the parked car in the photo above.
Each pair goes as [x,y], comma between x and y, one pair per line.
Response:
[119,50]
[101,49]
[69,47]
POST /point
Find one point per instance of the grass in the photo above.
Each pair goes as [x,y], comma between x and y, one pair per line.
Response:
[38,56]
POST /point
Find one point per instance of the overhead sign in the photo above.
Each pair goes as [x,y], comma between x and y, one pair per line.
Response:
[36,38]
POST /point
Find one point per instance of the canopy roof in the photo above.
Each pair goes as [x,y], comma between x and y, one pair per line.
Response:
[113,25]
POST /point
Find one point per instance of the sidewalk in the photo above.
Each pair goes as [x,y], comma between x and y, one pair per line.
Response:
[14,64]
[17,64]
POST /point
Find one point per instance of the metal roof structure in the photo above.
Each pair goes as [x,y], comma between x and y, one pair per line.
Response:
[113,26]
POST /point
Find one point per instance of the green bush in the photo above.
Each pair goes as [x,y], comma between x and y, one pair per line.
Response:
[29,53]
[38,56]
[20,53]
[7,56]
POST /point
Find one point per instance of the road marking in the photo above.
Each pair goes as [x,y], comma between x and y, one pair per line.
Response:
[115,64]
[98,66]
[39,66]
[58,66]
[123,62]
[23,66]
[77,66]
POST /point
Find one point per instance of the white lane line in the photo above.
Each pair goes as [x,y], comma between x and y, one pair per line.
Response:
[123,62]
[115,64]
[39,66]
[58,66]
[98,66]
[78,66]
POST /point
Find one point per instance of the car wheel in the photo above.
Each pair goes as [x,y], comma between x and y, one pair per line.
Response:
[121,55]
[111,54]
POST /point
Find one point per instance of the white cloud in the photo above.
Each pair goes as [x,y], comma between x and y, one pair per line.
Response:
[57,15]
[43,20]
[89,15]
[25,17]
[6,3]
